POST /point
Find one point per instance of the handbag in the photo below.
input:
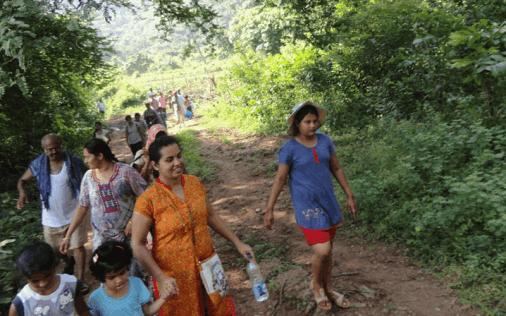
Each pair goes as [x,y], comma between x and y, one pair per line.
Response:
[212,274]
[214,278]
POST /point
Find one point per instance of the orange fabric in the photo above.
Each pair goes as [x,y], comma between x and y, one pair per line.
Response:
[173,248]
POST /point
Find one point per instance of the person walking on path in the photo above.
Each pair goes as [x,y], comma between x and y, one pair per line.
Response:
[151,116]
[181,110]
[141,123]
[58,173]
[133,135]
[101,106]
[100,133]
[109,189]
[310,160]
[178,210]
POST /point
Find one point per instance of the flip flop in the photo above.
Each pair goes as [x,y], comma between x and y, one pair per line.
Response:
[340,300]
[323,298]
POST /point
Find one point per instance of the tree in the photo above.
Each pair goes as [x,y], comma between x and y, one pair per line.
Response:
[50,64]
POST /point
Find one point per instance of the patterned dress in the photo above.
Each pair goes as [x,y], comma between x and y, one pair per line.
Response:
[174,250]
[111,204]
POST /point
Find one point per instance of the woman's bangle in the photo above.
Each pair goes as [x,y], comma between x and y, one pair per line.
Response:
[66,238]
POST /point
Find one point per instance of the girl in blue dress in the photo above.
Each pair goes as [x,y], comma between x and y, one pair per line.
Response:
[310,160]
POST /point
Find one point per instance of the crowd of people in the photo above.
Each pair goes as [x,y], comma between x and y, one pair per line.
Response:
[151,218]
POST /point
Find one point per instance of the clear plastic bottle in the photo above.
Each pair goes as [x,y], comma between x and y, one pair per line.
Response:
[257,282]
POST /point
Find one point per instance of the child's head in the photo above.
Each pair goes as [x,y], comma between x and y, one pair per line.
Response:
[137,116]
[111,257]
[128,118]
[37,262]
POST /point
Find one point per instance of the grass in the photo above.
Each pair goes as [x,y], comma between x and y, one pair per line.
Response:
[194,163]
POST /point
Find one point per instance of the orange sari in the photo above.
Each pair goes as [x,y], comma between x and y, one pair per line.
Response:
[173,248]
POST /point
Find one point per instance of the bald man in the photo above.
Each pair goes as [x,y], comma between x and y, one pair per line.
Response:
[58,174]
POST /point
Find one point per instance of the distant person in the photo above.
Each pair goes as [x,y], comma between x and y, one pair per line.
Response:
[181,110]
[151,116]
[133,135]
[150,93]
[174,104]
[100,133]
[163,106]
[141,123]
[46,293]
[101,106]
[58,173]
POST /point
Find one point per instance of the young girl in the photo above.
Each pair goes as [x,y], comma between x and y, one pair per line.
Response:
[46,293]
[119,294]
[310,160]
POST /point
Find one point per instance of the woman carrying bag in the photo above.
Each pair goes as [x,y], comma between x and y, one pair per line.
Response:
[178,210]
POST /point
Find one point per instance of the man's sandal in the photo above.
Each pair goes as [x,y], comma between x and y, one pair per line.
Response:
[339,301]
[323,298]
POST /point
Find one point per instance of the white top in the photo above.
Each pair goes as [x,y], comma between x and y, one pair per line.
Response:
[133,133]
[61,203]
[102,136]
[101,106]
[60,302]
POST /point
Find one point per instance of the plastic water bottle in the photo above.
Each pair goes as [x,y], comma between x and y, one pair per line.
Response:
[257,282]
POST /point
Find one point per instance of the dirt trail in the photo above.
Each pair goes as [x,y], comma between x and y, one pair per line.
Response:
[245,166]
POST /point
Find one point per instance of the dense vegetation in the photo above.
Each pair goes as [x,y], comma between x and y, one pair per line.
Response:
[415,92]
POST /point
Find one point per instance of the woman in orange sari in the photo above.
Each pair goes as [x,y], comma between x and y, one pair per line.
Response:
[177,208]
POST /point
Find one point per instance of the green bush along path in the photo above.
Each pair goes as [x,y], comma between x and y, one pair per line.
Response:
[377,278]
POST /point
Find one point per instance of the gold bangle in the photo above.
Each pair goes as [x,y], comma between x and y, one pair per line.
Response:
[66,238]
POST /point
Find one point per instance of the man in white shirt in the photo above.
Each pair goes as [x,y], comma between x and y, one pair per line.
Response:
[58,174]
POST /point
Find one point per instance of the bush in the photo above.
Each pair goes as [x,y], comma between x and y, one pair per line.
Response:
[17,228]
[440,187]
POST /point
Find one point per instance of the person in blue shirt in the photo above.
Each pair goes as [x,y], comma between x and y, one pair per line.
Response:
[310,160]
[119,294]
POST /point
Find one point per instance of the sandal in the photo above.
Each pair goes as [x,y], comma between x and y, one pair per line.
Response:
[339,301]
[323,298]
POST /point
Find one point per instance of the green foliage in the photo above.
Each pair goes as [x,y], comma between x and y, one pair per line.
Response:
[50,65]
[260,28]
[138,63]
[194,163]
[17,228]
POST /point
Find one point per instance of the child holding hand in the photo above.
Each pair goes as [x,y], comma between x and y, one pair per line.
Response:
[46,293]
[119,294]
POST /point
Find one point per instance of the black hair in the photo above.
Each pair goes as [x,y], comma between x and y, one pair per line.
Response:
[301,114]
[160,134]
[137,114]
[99,123]
[98,146]
[156,147]
[36,257]
[147,104]
[128,117]
[111,256]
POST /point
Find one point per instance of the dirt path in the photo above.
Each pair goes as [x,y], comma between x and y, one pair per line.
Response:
[245,165]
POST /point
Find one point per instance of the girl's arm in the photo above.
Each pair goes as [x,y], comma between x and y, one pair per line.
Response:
[277,187]
[126,135]
[152,308]
[338,173]
[218,225]
[80,306]
[76,220]
[140,228]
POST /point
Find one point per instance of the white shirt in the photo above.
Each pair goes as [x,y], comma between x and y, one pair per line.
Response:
[102,136]
[61,203]
[101,106]
[133,134]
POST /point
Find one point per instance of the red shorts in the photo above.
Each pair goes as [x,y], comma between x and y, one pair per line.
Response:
[319,236]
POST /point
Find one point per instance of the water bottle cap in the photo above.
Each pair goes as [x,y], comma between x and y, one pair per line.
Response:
[248,255]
